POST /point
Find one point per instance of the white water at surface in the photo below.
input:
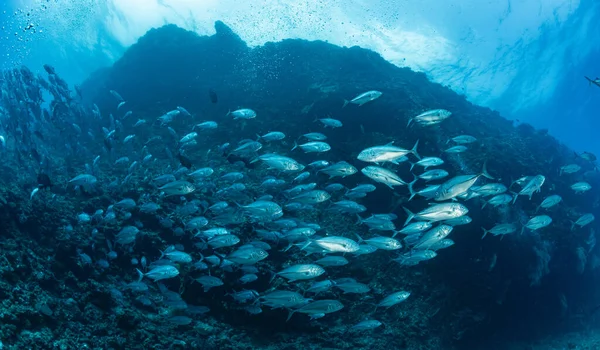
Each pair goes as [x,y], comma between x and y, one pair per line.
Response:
[507,55]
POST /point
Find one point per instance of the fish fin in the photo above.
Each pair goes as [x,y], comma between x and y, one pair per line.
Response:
[515,199]
[522,230]
[412,165]
[228,113]
[414,150]
[409,121]
[295,145]
[485,232]
[140,275]
[572,225]
[306,245]
[484,204]
[290,314]
[410,216]
[345,103]
[360,239]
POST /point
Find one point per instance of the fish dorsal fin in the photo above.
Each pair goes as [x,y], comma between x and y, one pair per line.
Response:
[389,143]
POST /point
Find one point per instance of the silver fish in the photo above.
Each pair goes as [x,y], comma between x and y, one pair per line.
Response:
[364,98]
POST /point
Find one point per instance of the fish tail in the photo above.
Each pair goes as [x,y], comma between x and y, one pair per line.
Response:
[359,220]
[522,230]
[484,171]
[410,216]
[412,165]
[258,137]
[295,145]
[411,190]
[409,121]
[484,204]
[140,275]
[414,150]
[485,232]
[345,103]
[572,225]
[228,113]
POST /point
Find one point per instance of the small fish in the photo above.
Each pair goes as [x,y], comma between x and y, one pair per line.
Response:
[583,220]
[318,307]
[313,147]
[177,188]
[393,299]
[244,113]
[315,136]
[463,139]
[330,122]
[212,95]
[364,98]
[456,149]
[500,230]
[593,81]
[159,273]
[272,136]
[189,137]
[581,187]
[431,117]
[207,125]
[569,169]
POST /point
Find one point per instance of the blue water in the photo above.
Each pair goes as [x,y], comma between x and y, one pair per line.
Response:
[69,273]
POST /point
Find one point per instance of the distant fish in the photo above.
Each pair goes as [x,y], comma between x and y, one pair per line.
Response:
[363,98]
[117,95]
[177,188]
[431,117]
[592,81]
[49,69]
[43,181]
[463,139]
[184,160]
[330,122]
[212,95]
[587,156]
[244,113]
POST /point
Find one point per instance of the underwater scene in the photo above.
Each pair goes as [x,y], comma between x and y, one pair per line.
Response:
[176,176]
